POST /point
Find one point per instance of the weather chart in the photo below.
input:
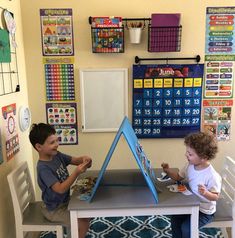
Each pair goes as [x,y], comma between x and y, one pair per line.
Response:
[167,100]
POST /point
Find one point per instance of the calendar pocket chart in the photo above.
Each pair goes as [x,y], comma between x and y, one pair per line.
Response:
[167,100]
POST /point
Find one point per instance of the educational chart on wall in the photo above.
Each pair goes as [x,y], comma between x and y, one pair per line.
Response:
[217,117]
[11,133]
[64,119]
[219,76]
[220,30]
[59,76]
[167,100]
[57,32]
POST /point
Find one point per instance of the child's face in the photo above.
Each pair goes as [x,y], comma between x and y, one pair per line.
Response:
[50,145]
[192,156]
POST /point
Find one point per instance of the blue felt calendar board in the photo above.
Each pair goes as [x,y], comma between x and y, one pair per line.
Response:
[139,155]
[167,100]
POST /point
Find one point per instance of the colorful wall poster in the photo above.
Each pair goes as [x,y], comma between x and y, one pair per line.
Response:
[63,116]
[217,117]
[11,133]
[1,155]
[57,32]
[59,82]
[219,74]
[220,30]
[167,100]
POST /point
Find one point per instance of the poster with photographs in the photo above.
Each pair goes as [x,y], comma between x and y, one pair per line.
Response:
[217,118]
[57,32]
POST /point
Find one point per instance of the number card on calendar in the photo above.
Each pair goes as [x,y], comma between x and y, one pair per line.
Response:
[167,100]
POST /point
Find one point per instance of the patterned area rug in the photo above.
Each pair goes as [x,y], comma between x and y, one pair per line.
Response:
[139,227]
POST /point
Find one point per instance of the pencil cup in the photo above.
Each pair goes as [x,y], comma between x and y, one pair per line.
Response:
[135,35]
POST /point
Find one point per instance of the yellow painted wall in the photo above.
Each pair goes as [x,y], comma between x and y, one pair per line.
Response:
[96,144]
[193,14]
[7,225]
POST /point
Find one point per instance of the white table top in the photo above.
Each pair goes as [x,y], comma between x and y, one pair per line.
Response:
[121,189]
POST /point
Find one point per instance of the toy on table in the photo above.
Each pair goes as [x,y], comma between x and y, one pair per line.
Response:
[164,177]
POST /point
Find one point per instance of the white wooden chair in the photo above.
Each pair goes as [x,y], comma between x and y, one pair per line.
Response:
[225,213]
[28,216]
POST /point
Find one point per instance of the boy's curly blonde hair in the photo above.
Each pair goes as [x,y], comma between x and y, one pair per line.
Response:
[204,144]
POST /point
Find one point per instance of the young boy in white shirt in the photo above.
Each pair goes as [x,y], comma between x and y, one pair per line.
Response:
[202,179]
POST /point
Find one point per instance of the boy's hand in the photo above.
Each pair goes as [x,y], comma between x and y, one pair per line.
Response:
[202,189]
[87,160]
[81,168]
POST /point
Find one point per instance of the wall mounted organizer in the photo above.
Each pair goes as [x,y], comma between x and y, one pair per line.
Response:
[107,35]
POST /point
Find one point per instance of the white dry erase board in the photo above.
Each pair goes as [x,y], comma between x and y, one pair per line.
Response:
[104,98]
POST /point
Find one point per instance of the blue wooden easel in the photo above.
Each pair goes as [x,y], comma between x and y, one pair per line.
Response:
[144,164]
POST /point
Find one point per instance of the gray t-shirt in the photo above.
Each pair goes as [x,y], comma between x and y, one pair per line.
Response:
[50,172]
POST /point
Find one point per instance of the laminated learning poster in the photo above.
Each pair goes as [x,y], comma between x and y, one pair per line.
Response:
[11,133]
[63,116]
[219,76]
[217,118]
[57,32]
[220,30]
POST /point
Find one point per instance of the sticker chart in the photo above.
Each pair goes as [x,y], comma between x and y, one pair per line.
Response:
[59,82]
[63,117]
[167,100]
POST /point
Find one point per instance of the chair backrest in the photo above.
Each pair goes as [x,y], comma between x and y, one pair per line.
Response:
[228,183]
[22,191]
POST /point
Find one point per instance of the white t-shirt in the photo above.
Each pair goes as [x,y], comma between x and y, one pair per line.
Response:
[209,177]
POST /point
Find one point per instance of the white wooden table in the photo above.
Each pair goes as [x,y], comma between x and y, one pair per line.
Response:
[136,200]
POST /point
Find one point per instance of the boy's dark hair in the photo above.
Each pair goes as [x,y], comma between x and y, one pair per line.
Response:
[204,144]
[40,132]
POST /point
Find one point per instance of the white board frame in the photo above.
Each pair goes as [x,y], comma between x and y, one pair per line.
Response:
[104,98]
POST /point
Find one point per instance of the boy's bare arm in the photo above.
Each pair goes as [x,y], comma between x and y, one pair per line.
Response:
[64,186]
[212,196]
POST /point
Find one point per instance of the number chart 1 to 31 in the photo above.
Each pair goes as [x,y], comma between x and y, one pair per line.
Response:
[166,100]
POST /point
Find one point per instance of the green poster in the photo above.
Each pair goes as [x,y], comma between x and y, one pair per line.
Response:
[5,54]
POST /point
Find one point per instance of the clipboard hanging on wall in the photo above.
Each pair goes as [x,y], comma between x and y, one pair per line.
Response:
[104,98]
